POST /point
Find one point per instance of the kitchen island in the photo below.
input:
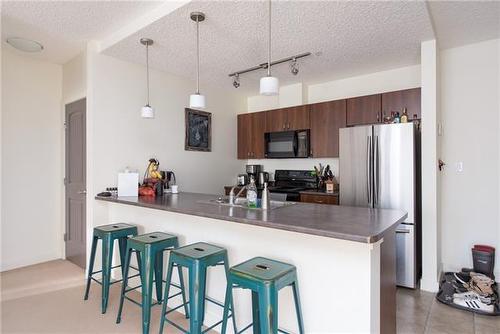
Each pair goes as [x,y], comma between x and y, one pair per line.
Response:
[345,256]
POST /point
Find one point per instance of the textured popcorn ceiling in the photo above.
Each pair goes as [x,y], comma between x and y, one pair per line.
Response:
[64,27]
[346,38]
[352,37]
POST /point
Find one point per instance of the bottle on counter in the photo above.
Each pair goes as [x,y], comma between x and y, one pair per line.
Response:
[252,194]
[397,118]
[404,116]
[266,198]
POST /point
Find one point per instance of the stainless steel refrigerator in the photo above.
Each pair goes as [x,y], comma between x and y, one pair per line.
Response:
[379,168]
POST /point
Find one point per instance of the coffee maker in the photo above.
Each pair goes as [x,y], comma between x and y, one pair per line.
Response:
[253,171]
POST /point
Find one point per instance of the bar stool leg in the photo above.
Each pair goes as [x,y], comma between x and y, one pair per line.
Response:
[183,291]
[107,259]
[147,288]
[228,280]
[165,296]
[268,310]
[197,276]
[255,313]
[122,247]
[227,302]
[91,266]
[126,265]
[298,309]
[158,275]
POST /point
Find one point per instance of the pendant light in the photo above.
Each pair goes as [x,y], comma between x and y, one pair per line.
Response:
[147,111]
[197,100]
[269,85]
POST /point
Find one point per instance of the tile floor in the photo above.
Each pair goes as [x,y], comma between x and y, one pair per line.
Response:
[59,308]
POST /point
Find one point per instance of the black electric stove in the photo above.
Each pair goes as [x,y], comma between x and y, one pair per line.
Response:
[292,182]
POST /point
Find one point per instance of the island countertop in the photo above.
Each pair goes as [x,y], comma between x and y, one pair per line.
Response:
[341,222]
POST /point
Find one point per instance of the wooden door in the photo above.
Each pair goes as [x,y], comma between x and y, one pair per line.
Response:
[276,120]
[396,101]
[364,110]
[326,120]
[75,183]
[297,118]
[244,135]
[258,129]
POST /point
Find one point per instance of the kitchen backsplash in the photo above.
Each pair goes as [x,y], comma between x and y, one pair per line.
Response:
[270,165]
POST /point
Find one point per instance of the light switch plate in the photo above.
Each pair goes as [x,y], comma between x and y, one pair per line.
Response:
[460,166]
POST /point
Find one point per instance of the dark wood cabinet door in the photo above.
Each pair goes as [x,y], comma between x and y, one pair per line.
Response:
[297,118]
[364,110]
[276,120]
[319,199]
[258,129]
[326,120]
[396,101]
[244,135]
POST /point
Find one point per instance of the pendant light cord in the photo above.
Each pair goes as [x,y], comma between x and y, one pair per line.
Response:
[197,56]
[147,69]
[269,44]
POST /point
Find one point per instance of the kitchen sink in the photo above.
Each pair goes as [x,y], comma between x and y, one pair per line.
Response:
[242,203]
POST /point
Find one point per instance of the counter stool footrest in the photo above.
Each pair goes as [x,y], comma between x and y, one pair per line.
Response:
[244,329]
[177,326]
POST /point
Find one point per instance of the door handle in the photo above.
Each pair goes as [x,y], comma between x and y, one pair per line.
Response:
[403,231]
[376,171]
[82,192]
[368,169]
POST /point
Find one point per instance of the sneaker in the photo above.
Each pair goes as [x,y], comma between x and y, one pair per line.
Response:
[473,301]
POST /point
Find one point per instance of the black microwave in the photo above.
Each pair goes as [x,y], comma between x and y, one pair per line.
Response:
[287,144]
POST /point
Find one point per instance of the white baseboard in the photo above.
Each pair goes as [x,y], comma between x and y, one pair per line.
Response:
[36,258]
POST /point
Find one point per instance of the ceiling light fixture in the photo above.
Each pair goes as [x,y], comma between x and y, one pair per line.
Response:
[23,44]
[197,100]
[294,67]
[269,85]
[236,81]
[147,111]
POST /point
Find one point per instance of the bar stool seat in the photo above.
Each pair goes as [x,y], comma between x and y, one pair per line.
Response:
[108,234]
[197,258]
[264,277]
[150,248]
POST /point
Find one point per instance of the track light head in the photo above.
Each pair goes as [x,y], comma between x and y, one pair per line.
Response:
[294,67]
[236,81]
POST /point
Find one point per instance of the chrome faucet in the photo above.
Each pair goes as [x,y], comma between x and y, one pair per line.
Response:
[232,197]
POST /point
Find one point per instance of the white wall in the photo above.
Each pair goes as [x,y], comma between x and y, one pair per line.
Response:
[300,93]
[75,79]
[470,111]
[31,161]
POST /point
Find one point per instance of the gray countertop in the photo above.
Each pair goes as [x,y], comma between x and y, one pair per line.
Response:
[341,222]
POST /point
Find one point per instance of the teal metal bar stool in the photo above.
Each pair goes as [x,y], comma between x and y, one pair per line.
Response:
[197,258]
[150,248]
[265,278]
[108,234]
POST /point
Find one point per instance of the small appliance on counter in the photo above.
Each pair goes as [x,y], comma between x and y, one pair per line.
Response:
[253,171]
[262,179]
[242,179]
[128,183]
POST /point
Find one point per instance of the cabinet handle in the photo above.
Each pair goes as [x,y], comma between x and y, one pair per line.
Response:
[284,126]
[248,154]
[318,201]
[288,125]
[312,152]
[378,116]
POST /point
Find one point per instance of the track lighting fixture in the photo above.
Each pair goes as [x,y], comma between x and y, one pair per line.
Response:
[236,81]
[294,67]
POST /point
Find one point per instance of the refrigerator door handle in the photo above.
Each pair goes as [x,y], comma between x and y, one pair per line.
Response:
[368,169]
[376,164]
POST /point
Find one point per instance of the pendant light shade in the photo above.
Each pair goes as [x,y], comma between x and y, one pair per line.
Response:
[147,111]
[269,85]
[197,100]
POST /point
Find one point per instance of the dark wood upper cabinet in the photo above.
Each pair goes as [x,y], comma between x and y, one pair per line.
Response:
[251,128]
[326,120]
[285,119]
[258,130]
[276,120]
[244,135]
[396,101]
[298,118]
[364,110]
